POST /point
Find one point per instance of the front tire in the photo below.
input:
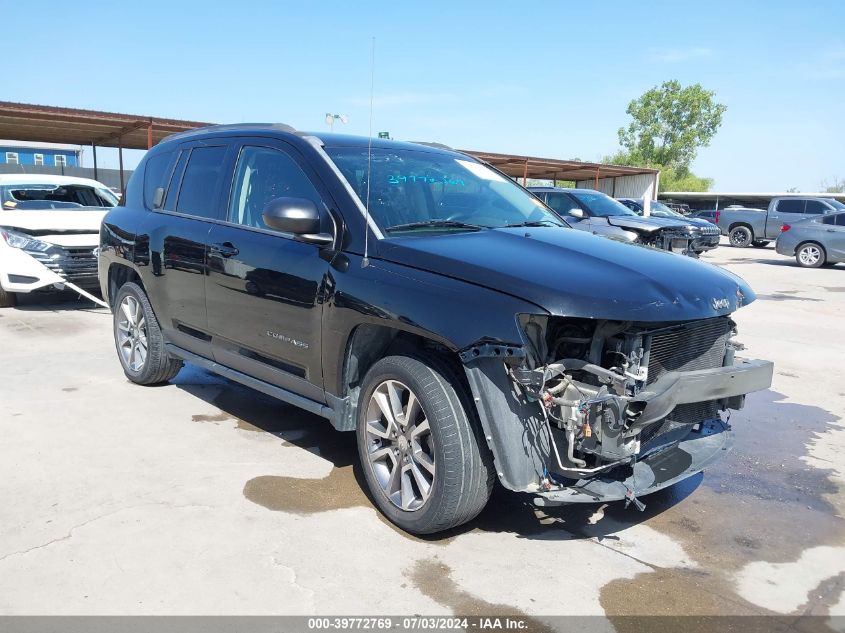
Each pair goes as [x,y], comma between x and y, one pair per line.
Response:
[741,237]
[138,340]
[422,459]
[7,299]
[810,255]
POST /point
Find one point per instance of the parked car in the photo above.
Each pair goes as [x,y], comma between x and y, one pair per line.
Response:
[710,215]
[595,212]
[49,227]
[423,300]
[705,234]
[678,207]
[819,241]
[754,227]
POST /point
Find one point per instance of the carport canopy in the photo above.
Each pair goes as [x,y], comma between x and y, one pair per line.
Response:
[51,124]
[526,167]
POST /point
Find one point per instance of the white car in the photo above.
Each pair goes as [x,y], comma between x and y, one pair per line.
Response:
[49,230]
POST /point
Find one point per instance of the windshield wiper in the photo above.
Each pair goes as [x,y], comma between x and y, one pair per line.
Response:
[532,223]
[435,224]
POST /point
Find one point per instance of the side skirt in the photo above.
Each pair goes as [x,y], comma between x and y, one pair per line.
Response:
[259,385]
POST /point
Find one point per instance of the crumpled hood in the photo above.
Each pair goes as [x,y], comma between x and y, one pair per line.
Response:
[650,223]
[573,273]
[50,221]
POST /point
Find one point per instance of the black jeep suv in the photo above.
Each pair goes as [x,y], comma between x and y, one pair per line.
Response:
[428,303]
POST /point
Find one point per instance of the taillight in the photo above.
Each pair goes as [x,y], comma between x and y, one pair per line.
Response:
[716,217]
[785,228]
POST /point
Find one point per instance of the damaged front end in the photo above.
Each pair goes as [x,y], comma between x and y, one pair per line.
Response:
[674,240]
[592,410]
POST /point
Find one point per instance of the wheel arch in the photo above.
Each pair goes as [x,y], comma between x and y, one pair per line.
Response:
[118,275]
[368,343]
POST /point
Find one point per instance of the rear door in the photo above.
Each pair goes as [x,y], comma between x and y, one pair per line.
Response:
[177,234]
[834,236]
[264,288]
[785,211]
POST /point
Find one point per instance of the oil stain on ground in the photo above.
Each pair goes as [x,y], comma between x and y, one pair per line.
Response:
[762,502]
[433,579]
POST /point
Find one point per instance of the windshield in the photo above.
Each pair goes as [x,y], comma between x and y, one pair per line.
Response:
[413,190]
[660,210]
[836,204]
[46,196]
[601,205]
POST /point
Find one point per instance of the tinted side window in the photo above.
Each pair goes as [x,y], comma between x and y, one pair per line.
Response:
[791,206]
[173,189]
[155,175]
[830,219]
[561,203]
[199,184]
[840,219]
[816,207]
[262,175]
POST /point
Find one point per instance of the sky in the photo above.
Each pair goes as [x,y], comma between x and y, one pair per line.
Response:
[549,79]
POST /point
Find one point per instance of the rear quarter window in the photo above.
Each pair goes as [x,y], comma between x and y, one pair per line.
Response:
[156,174]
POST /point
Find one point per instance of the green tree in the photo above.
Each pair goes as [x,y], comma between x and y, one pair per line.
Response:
[838,186]
[669,124]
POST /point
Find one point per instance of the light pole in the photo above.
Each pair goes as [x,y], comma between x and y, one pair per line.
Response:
[330,119]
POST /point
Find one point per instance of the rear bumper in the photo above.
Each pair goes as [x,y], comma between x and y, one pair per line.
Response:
[658,470]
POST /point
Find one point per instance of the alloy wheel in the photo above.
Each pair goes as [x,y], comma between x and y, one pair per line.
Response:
[809,255]
[132,334]
[400,450]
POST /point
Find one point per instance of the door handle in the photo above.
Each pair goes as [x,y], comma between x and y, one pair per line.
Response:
[226,249]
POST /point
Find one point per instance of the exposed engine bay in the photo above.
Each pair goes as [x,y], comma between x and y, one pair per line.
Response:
[675,241]
[611,394]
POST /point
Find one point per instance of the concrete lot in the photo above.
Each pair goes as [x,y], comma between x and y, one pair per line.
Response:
[203,497]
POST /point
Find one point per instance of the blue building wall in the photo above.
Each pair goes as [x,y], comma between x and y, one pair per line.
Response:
[26,155]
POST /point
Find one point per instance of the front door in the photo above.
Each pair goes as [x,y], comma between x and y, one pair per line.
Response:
[564,204]
[263,291]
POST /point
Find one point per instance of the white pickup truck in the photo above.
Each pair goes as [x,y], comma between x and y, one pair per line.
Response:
[757,227]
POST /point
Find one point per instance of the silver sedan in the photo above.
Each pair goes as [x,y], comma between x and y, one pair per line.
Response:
[817,242]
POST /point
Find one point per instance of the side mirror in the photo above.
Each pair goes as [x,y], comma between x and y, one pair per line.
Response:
[298,216]
[576,213]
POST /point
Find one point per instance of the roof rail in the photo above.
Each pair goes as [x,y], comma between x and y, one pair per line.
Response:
[281,127]
[432,144]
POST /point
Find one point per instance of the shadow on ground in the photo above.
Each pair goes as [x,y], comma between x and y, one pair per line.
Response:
[763,477]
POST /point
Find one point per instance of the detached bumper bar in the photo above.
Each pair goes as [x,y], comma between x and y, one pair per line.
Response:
[702,385]
[659,470]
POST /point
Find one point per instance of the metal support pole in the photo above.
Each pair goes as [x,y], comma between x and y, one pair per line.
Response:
[94,152]
[597,179]
[150,136]
[120,158]
[525,175]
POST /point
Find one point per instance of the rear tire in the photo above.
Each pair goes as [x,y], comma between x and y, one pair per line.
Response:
[810,255]
[8,299]
[741,236]
[419,447]
[138,340]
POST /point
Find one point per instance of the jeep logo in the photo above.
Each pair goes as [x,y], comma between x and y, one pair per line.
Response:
[720,304]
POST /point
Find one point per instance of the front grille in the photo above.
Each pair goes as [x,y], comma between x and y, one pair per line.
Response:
[689,347]
[74,264]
